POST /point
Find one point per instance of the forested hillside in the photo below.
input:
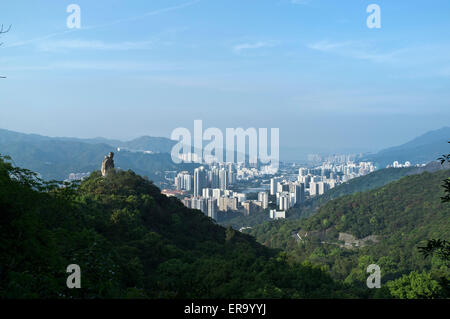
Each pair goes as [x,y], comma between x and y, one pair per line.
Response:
[132,242]
[383,226]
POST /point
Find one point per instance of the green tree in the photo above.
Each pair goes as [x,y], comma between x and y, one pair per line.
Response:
[415,285]
[439,247]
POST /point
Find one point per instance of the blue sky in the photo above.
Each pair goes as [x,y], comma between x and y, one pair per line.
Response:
[309,67]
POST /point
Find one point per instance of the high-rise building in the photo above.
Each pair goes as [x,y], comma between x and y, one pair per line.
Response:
[304,179]
[283,186]
[248,207]
[263,197]
[284,201]
[207,192]
[200,204]
[299,193]
[292,199]
[323,187]
[302,171]
[188,182]
[217,193]
[231,173]
[228,203]
[212,208]
[213,177]
[183,181]
[199,180]
[313,189]
[223,178]
[178,182]
[273,185]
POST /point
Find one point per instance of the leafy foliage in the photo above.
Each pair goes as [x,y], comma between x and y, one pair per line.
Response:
[436,246]
[131,241]
[415,285]
[401,215]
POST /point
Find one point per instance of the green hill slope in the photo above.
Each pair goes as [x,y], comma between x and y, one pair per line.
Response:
[390,223]
[133,242]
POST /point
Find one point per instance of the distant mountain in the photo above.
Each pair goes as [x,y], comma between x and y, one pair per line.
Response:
[57,157]
[422,149]
[143,143]
[149,143]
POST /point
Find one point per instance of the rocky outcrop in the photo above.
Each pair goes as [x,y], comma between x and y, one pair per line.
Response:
[108,164]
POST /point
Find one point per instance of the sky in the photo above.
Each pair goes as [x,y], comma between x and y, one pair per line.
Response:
[311,68]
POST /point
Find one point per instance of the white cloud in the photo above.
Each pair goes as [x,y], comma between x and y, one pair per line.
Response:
[414,61]
[94,45]
[249,46]
[357,50]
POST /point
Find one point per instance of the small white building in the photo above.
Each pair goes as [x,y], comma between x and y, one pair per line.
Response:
[274,214]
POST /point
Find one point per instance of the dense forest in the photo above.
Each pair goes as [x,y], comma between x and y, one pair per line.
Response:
[133,242]
[382,226]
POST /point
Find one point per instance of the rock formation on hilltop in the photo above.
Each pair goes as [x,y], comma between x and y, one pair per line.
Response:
[108,164]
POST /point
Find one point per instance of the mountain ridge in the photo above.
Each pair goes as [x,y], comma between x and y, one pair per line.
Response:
[421,149]
[141,143]
[56,158]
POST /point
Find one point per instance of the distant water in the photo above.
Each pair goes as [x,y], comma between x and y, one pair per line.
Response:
[262,188]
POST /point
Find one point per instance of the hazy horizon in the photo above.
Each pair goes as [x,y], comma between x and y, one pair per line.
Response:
[286,153]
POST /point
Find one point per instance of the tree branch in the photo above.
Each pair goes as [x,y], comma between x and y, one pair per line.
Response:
[2,31]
